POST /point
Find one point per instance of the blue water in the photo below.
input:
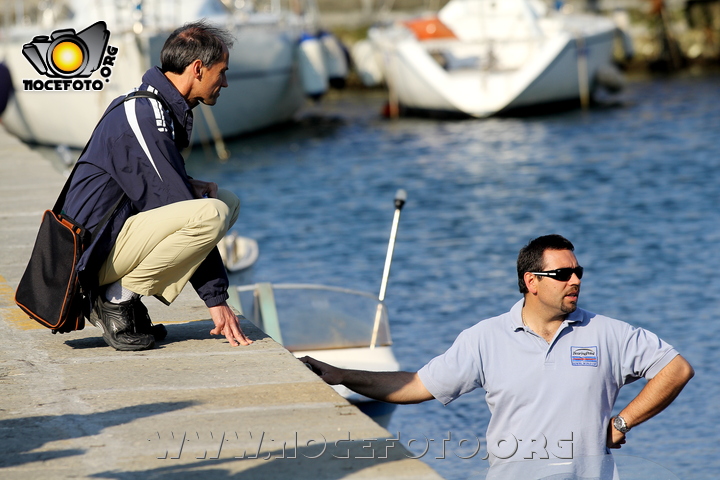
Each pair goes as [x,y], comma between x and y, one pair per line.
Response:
[636,188]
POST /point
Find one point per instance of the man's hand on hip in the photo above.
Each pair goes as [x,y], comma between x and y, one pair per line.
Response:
[226,323]
[615,438]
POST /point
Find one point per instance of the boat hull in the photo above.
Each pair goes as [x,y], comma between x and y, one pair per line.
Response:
[263,88]
[559,65]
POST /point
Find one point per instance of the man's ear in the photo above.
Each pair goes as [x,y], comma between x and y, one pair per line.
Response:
[531,282]
[196,69]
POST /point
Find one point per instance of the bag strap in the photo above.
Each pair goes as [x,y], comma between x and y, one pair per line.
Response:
[61,199]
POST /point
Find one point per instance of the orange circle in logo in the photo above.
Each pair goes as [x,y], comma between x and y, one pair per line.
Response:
[67,56]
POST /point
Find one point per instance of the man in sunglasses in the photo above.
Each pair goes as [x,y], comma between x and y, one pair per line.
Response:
[551,371]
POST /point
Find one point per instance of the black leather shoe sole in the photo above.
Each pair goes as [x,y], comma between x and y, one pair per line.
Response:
[123,336]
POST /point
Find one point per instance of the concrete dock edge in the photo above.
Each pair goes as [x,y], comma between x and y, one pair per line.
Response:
[72,407]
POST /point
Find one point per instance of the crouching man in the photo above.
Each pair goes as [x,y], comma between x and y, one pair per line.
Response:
[165,230]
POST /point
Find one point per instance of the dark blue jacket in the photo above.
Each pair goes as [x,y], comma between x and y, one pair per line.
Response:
[136,149]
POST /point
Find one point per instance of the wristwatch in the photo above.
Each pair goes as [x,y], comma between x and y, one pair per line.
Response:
[620,424]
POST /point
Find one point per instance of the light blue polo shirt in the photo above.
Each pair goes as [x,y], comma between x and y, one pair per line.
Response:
[547,400]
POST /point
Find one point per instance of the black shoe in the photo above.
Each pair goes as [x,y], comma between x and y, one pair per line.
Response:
[143,324]
[117,322]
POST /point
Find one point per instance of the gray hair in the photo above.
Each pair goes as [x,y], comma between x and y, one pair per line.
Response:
[193,41]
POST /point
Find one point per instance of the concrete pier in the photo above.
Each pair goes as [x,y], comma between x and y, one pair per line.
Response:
[194,407]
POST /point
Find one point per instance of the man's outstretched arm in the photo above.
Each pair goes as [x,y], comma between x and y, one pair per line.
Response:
[392,387]
[656,395]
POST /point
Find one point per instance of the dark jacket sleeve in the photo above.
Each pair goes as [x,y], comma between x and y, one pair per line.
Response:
[145,161]
[140,157]
[210,280]
[164,180]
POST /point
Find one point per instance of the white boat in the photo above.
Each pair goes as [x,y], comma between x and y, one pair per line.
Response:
[483,57]
[342,327]
[237,252]
[264,89]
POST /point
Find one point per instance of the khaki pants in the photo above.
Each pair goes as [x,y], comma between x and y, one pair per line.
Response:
[157,251]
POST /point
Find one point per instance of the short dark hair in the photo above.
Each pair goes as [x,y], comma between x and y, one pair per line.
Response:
[193,41]
[530,258]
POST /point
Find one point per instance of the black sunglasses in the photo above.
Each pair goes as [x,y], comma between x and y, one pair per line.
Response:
[561,274]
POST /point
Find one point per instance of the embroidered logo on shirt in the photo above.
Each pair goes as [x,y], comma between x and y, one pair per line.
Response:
[584,356]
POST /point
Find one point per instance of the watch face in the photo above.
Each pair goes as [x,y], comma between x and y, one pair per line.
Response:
[619,423]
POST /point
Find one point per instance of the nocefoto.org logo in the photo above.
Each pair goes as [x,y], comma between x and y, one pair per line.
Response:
[69,58]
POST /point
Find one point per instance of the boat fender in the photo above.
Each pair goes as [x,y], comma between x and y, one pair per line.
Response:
[367,63]
[335,58]
[312,67]
[6,86]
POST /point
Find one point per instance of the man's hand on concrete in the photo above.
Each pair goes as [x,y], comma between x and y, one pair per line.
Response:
[226,323]
[204,189]
[331,375]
